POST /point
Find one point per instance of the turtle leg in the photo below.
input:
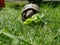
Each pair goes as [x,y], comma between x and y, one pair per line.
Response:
[29,13]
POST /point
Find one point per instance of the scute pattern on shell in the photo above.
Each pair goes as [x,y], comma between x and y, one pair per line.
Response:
[30,6]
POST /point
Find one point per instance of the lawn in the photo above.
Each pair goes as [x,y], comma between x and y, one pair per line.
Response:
[13,32]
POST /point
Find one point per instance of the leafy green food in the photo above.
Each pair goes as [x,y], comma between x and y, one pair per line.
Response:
[34,19]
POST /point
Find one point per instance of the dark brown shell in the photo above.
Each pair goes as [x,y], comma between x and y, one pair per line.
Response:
[30,6]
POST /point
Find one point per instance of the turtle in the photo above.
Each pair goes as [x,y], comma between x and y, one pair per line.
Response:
[29,10]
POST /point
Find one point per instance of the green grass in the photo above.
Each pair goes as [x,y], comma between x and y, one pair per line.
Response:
[12,32]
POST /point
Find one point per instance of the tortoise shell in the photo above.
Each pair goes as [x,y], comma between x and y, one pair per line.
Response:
[30,6]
